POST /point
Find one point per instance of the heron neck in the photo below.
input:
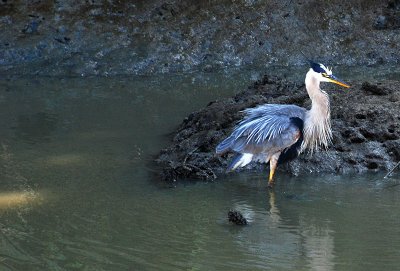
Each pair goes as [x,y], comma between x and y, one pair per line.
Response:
[317,126]
[312,84]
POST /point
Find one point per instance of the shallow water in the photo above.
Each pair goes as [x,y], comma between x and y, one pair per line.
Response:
[77,191]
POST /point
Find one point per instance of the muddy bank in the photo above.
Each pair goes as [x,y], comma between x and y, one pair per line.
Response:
[365,123]
[157,36]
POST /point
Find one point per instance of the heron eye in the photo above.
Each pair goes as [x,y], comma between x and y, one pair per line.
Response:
[324,74]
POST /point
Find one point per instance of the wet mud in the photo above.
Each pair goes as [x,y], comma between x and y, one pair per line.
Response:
[145,37]
[365,123]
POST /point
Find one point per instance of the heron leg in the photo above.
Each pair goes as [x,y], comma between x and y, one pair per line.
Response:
[273,163]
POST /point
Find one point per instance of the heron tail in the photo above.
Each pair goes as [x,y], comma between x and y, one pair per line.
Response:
[225,145]
[240,160]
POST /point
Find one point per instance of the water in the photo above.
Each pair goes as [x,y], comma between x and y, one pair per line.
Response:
[77,192]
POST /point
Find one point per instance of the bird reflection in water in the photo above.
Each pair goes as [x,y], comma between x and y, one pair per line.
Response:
[314,240]
[273,209]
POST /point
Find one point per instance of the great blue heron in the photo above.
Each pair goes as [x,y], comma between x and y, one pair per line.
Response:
[277,133]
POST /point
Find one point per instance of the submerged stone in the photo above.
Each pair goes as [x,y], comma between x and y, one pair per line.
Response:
[236,217]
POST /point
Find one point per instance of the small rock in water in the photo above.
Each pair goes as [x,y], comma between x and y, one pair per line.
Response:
[237,218]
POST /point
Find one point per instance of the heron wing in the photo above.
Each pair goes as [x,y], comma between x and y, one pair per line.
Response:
[266,122]
[270,122]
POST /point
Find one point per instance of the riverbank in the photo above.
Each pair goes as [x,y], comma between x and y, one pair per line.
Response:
[120,37]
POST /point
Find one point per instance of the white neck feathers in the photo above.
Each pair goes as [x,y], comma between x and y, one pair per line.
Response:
[317,125]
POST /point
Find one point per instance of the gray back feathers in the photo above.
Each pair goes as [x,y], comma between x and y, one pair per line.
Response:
[261,123]
[267,121]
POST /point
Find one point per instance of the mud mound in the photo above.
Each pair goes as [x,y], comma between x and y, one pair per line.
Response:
[365,123]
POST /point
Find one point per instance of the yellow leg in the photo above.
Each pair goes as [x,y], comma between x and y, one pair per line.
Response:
[273,163]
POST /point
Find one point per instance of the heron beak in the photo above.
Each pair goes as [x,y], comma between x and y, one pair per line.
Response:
[333,79]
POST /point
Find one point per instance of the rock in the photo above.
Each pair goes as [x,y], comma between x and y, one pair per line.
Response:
[394,4]
[366,131]
[381,22]
[31,27]
[374,89]
[393,149]
[390,19]
[236,218]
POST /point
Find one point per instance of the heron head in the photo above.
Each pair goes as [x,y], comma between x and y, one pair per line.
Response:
[324,74]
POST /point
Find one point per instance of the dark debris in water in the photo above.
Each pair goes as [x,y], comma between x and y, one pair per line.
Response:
[236,217]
